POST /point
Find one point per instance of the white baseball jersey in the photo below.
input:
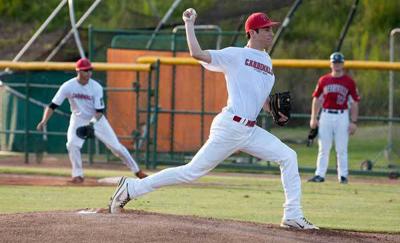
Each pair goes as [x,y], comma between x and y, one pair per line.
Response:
[249,78]
[84,99]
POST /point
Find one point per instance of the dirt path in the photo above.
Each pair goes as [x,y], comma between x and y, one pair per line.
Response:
[36,180]
[139,226]
[63,162]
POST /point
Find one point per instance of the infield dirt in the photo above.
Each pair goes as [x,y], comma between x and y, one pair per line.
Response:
[139,226]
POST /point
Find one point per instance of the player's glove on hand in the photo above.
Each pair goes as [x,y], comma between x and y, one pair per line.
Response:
[311,135]
[85,132]
[280,102]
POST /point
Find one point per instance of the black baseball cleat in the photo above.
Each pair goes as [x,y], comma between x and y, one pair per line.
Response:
[343,180]
[317,178]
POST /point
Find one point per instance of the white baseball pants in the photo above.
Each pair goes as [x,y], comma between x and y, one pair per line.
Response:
[333,127]
[227,137]
[105,134]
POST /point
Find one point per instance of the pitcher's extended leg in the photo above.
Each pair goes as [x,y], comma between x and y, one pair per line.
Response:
[209,156]
[266,146]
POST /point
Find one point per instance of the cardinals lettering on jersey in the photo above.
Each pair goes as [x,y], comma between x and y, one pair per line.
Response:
[259,66]
[82,96]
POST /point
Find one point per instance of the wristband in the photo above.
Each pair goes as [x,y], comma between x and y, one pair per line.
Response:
[94,119]
[53,106]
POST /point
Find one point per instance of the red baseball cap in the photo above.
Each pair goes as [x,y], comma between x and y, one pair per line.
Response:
[258,21]
[83,64]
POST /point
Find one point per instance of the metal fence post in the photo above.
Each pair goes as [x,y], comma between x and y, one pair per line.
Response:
[148,120]
[391,95]
[156,93]
[26,138]
[172,114]
[137,136]
[202,105]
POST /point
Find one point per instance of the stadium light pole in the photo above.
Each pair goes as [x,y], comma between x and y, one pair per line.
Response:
[285,23]
[347,25]
[174,5]
[40,30]
[74,29]
[71,31]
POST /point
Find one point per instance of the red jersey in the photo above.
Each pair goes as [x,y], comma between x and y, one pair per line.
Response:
[336,91]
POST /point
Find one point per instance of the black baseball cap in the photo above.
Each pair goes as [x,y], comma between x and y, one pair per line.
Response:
[337,57]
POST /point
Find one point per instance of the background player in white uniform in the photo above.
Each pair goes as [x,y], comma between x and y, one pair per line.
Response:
[249,78]
[85,96]
[334,90]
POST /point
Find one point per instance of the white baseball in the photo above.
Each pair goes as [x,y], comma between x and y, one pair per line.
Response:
[189,14]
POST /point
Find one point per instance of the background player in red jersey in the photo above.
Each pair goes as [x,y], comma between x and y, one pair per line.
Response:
[332,95]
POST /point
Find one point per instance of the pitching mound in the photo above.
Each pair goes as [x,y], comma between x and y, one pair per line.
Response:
[139,226]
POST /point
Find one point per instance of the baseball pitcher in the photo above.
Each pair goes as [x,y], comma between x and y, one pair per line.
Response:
[85,97]
[249,78]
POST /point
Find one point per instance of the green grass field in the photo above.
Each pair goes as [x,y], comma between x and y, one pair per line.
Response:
[369,142]
[366,204]
[360,205]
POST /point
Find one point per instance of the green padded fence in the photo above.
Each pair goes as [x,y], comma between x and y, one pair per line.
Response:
[17,107]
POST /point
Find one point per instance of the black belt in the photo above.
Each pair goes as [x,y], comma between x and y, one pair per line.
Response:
[333,111]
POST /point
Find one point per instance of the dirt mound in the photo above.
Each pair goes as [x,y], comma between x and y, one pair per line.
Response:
[139,226]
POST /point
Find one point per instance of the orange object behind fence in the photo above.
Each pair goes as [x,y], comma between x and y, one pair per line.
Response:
[121,107]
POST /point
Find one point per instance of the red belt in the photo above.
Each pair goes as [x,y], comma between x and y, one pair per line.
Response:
[242,120]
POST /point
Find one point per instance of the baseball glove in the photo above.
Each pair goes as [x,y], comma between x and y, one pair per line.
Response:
[85,132]
[311,135]
[280,102]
